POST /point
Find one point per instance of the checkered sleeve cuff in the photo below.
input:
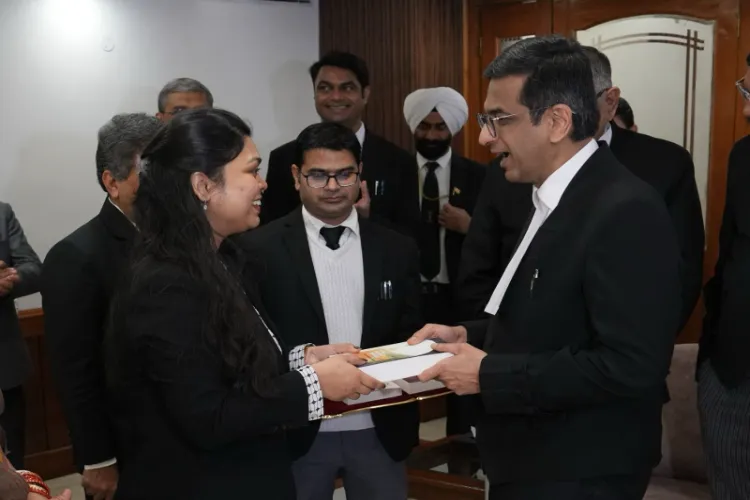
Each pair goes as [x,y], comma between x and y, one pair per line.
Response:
[297,357]
[314,394]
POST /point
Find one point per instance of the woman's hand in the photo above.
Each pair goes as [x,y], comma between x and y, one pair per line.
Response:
[340,380]
[65,495]
[318,353]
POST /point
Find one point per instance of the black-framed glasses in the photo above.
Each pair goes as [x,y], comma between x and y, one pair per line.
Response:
[601,92]
[740,84]
[319,179]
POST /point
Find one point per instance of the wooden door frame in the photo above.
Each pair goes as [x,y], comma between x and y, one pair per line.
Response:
[724,100]
[473,79]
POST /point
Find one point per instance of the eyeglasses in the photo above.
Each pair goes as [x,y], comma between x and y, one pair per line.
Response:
[601,92]
[486,120]
[740,84]
[319,180]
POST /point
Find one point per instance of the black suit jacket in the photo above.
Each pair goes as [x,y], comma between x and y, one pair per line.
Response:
[15,251]
[466,181]
[726,333]
[80,275]
[178,414]
[504,207]
[574,380]
[290,292]
[383,163]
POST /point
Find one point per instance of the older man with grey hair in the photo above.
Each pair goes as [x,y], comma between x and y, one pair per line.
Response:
[181,94]
[78,281]
[665,165]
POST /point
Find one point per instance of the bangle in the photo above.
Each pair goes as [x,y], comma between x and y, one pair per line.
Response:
[35,483]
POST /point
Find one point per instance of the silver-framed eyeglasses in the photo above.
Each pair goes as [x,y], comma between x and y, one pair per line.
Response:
[318,179]
[489,121]
[740,84]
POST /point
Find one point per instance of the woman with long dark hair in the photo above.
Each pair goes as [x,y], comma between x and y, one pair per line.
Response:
[203,389]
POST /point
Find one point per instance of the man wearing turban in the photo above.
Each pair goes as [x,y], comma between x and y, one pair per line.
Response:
[449,186]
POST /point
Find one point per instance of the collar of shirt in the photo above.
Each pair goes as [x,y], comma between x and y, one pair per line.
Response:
[313,225]
[607,135]
[120,210]
[443,162]
[361,134]
[548,195]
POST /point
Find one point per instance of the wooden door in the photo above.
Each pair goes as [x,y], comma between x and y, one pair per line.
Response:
[490,27]
[675,61]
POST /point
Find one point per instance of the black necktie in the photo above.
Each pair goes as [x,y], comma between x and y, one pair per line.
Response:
[602,144]
[429,241]
[332,236]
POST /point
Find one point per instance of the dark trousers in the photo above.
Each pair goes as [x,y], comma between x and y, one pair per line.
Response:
[629,487]
[438,307]
[13,421]
[368,472]
[725,425]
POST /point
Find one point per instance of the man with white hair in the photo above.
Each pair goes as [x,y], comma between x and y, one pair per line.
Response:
[449,186]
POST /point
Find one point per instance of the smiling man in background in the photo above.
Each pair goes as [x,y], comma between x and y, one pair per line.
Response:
[341,83]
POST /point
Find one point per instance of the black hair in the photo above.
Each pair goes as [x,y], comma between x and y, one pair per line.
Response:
[343,60]
[625,112]
[173,229]
[327,135]
[557,71]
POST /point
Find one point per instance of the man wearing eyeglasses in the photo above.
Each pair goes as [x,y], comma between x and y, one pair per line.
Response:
[570,367]
[333,276]
[667,167]
[181,94]
[341,84]
[724,358]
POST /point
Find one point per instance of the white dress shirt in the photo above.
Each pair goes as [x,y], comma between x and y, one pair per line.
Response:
[360,133]
[545,200]
[607,135]
[443,174]
[341,282]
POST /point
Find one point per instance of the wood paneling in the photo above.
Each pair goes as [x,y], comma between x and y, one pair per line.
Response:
[48,450]
[408,44]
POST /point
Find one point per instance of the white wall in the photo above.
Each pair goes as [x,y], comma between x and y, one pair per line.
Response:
[66,66]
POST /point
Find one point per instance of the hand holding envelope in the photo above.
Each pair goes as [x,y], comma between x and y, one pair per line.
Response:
[460,372]
[339,377]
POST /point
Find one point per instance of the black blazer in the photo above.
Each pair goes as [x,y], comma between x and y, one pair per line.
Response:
[383,163]
[574,380]
[290,292]
[726,333]
[187,432]
[15,251]
[466,181]
[504,207]
[80,275]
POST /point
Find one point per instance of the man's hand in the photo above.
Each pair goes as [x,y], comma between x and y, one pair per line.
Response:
[101,483]
[339,379]
[455,219]
[8,279]
[460,372]
[450,334]
[363,205]
[318,353]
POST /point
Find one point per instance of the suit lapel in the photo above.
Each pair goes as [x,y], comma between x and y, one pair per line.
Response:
[372,260]
[296,243]
[458,182]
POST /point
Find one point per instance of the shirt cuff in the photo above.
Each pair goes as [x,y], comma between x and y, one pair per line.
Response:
[101,465]
[314,393]
[297,357]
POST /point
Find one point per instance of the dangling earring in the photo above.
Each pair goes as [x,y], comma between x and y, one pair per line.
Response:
[205,206]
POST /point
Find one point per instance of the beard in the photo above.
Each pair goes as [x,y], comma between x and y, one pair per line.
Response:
[432,149]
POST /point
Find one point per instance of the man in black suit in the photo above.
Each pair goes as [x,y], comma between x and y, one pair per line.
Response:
[724,358]
[80,275]
[449,188]
[667,167]
[20,270]
[334,276]
[342,89]
[571,378]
